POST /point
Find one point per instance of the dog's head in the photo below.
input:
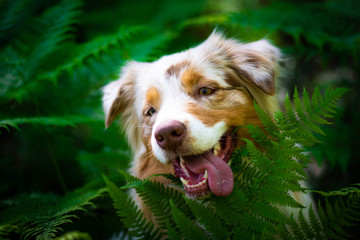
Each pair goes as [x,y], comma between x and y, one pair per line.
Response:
[183,108]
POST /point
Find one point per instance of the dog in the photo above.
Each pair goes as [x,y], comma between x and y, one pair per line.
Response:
[181,112]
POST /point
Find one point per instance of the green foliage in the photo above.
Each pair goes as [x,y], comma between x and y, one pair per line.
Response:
[263,180]
[46,121]
[304,116]
[41,215]
[74,235]
[130,214]
[51,78]
[332,218]
[56,55]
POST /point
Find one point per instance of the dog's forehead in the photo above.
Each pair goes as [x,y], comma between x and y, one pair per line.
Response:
[173,72]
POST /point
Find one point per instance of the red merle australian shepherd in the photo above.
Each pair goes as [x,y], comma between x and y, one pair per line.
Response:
[180,111]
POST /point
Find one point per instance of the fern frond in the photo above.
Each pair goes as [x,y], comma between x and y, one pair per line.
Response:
[9,17]
[131,216]
[303,116]
[56,25]
[314,221]
[295,114]
[309,234]
[6,230]
[332,220]
[42,215]
[172,234]
[258,134]
[266,121]
[354,189]
[156,196]
[214,19]
[265,170]
[63,121]
[94,49]
[24,57]
[187,228]
[208,218]
[75,235]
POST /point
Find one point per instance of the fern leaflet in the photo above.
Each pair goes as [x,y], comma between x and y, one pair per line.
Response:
[131,216]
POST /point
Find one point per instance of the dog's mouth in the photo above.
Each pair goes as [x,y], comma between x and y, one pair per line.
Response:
[208,172]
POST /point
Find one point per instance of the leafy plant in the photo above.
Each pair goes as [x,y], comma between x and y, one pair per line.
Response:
[56,55]
[265,170]
[51,119]
[41,215]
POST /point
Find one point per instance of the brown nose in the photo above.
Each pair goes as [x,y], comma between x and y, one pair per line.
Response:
[170,135]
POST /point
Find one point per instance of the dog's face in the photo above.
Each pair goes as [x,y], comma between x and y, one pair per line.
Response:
[182,109]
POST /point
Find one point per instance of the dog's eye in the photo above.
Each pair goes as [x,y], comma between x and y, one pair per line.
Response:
[151,111]
[205,91]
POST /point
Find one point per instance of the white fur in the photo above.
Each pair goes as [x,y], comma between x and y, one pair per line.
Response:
[110,93]
[145,75]
[137,78]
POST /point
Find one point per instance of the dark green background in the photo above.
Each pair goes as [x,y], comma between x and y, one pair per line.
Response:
[54,61]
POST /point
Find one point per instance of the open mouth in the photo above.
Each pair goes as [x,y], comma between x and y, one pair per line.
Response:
[208,172]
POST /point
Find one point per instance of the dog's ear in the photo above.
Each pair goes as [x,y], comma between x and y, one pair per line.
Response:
[255,63]
[118,95]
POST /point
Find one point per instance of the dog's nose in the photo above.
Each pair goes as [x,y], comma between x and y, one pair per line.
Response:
[170,135]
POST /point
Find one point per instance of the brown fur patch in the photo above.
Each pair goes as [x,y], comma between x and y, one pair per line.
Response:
[234,107]
[255,60]
[190,79]
[153,97]
[232,79]
[149,166]
[262,63]
[174,70]
[124,99]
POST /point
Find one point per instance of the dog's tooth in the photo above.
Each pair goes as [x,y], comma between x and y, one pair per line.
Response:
[184,181]
[182,164]
[217,147]
[206,174]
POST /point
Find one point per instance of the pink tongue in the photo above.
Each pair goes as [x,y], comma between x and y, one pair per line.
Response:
[220,176]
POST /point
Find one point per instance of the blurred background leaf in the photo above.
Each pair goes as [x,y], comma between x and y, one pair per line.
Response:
[56,55]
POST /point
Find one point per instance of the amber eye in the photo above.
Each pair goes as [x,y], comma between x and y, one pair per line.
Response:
[151,111]
[205,91]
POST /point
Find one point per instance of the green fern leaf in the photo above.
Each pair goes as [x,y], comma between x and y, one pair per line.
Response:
[258,134]
[302,109]
[94,49]
[131,216]
[172,234]
[266,120]
[314,222]
[156,196]
[209,219]
[14,12]
[305,116]
[297,232]
[305,226]
[56,24]
[42,215]
[63,121]
[188,229]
